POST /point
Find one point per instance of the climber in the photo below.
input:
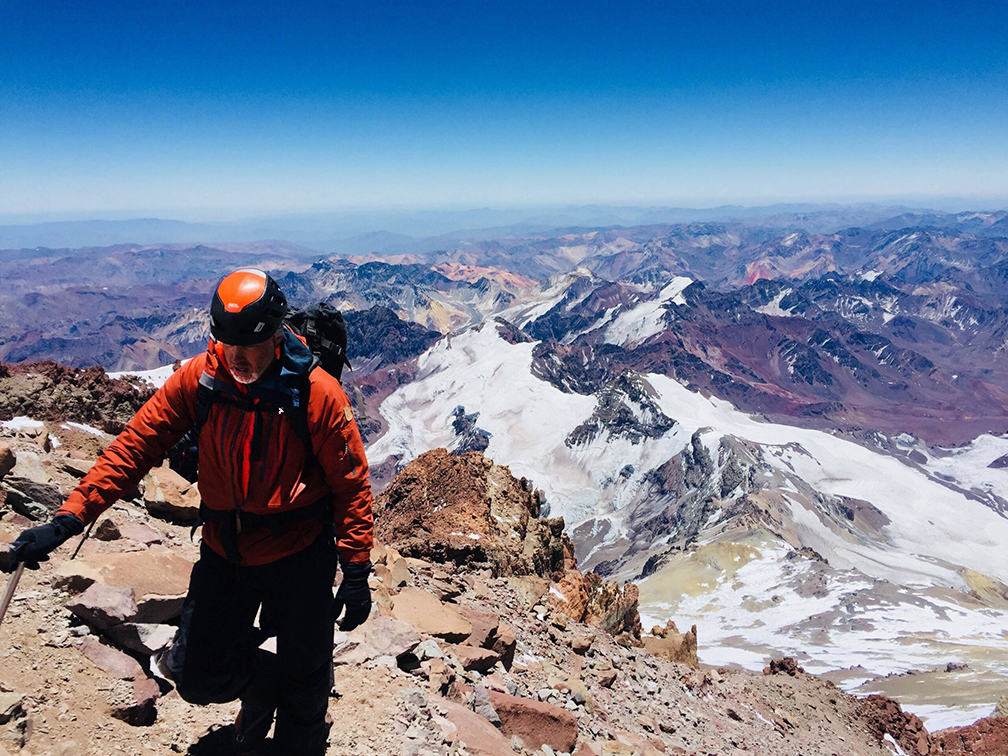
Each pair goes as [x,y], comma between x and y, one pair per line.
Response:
[285,495]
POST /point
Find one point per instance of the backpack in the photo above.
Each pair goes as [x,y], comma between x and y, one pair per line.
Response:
[323,328]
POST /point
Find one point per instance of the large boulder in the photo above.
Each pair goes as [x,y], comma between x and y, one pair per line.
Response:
[134,696]
[535,722]
[484,626]
[480,737]
[36,501]
[167,494]
[475,659]
[111,660]
[135,703]
[381,635]
[29,466]
[137,531]
[159,579]
[468,510]
[103,606]
[7,459]
[142,637]
[428,614]
[668,643]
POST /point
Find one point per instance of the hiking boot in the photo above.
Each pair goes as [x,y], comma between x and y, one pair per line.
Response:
[234,739]
[250,729]
[219,740]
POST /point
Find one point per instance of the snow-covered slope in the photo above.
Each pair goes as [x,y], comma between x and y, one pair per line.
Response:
[933,531]
[155,377]
[646,319]
[909,569]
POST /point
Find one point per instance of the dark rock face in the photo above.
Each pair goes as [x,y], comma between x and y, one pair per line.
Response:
[511,333]
[999,463]
[49,391]
[471,438]
[626,409]
[380,335]
[834,350]
[583,305]
[783,666]
[580,369]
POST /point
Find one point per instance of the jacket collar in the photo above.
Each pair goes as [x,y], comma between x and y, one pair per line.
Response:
[294,357]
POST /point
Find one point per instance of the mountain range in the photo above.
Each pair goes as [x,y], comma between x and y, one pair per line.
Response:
[791,437]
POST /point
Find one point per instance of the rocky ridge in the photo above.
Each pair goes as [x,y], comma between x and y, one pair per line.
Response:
[466,652]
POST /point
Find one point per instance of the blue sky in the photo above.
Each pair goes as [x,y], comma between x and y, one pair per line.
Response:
[214,109]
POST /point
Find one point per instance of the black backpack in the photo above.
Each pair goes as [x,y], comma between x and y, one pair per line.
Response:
[325,332]
[324,329]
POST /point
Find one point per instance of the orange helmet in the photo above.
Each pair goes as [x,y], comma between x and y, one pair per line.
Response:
[247,308]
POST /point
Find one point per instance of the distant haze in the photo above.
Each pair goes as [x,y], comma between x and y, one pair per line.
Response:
[363,233]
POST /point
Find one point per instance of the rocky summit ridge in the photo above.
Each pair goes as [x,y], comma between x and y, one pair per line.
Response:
[492,645]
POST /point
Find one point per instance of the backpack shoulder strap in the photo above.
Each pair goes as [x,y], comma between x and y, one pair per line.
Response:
[294,397]
[298,418]
[204,401]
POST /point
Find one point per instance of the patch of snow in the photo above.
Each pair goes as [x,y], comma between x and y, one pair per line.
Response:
[938,717]
[155,377]
[773,308]
[22,423]
[528,420]
[951,529]
[645,320]
[891,742]
[760,612]
[933,531]
[969,465]
[86,428]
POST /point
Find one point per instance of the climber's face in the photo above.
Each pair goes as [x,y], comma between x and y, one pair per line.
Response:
[247,364]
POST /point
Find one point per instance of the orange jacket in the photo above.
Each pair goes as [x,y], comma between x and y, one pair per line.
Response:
[271,478]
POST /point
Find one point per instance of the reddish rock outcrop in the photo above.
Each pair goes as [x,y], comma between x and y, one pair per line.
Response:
[468,510]
[425,612]
[167,494]
[783,666]
[103,606]
[49,391]
[481,737]
[586,598]
[111,660]
[985,737]
[884,716]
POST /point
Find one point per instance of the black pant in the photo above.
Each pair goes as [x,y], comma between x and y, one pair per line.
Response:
[216,658]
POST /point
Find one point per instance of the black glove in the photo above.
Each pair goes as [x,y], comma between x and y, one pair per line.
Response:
[355,594]
[34,544]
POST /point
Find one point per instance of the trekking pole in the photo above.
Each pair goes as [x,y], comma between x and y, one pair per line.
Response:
[9,591]
[79,544]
